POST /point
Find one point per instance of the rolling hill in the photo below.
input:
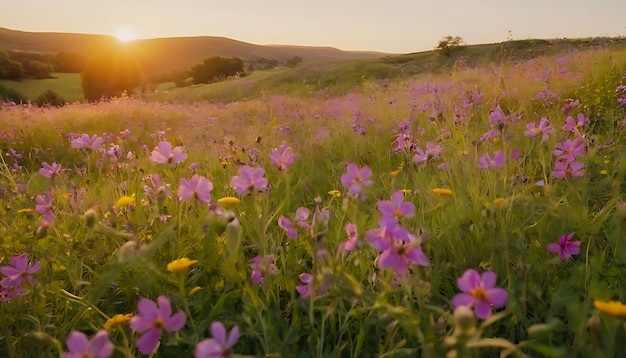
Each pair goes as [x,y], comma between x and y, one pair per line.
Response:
[161,55]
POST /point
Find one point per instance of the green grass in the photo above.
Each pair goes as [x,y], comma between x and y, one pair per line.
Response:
[67,85]
[99,257]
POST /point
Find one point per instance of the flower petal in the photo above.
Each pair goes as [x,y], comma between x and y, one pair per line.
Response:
[233,337]
[497,296]
[469,280]
[176,322]
[462,299]
[488,279]
[482,309]
[149,340]
[218,331]
[77,342]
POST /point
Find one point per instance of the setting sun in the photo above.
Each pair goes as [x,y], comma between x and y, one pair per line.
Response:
[125,34]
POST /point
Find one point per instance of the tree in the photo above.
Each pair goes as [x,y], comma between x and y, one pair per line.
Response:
[215,69]
[37,69]
[450,43]
[110,74]
[12,70]
[294,61]
[70,62]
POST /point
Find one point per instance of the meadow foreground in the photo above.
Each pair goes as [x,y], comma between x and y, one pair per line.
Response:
[476,213]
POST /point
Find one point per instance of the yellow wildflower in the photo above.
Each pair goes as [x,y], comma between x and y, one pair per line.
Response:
[335,193]
[116,320]
[406,191]
[613,308]
[24,211]
[124,201]
[194,290]
[394,173]
[603,172]
[228,201]
[442,191]
[180,265]
[498,201]
[464,152]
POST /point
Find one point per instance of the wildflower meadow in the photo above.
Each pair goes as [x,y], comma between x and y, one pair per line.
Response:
[475,212]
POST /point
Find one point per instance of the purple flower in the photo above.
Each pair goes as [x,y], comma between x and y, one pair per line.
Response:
[260,267]
[433,151]
[50,171]
[395,209]
[479,291]
[220,345]
[572,125]
[249,180]
[397,247]
[152,320]
[19,271]
[493,133]
[164,153]
[570,105]
[622,101]
[282,157]
[544,128]
[44,206]
[355,179]
[84,141]
[352,238]
[292,228]
[306,289]
[487,162]
[567,167]
[565,247]
[80,346]
[155,187]
[198,187]
[498,116]
[570,149]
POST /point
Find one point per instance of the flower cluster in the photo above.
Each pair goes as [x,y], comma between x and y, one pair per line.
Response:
[18,272]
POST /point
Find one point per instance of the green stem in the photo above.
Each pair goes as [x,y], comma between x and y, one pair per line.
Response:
[183,297]
[6,333]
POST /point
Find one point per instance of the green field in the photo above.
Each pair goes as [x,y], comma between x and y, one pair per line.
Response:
[67,85]
[475,209]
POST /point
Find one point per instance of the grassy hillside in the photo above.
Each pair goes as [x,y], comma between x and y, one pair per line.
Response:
[329,77]
[167,54]
[342,77]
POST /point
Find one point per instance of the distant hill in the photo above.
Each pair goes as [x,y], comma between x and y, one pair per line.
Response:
[161,55]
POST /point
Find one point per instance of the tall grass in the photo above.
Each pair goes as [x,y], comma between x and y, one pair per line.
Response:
[100,257]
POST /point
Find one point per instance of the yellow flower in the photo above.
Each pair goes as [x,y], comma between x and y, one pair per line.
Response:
[228,201]
[117,320]
[464,152]
[613,308]
[603,172]
[442,191]
[406,191]
[124,201]
[498,201]
[394,173]
[180,265]
[24,211]
[194,290]
[335,193]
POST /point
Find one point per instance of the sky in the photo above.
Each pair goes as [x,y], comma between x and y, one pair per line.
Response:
[391,26]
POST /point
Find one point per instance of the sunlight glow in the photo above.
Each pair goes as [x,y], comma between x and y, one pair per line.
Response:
[125,34]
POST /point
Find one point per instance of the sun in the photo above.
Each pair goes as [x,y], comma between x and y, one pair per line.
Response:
[125,34]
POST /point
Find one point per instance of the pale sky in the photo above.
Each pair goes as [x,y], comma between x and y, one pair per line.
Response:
[393,26]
